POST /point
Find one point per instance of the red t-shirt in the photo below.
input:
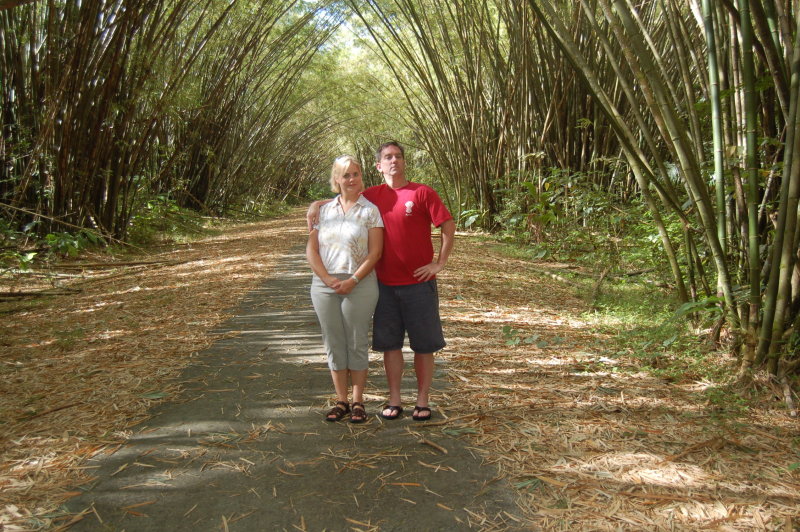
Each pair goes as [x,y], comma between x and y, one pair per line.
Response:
[408,213]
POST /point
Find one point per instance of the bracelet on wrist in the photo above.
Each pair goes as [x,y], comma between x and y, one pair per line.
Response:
[355,279]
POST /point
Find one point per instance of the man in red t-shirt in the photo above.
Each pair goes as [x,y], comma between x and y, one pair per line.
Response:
[409,300]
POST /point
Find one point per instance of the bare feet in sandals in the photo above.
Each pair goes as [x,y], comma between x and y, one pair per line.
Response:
[391,412]
[358,414]
[421,413]
[337,412]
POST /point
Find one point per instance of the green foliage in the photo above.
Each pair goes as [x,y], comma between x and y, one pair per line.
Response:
[534,251]
[513,336]
[155,395]
[8,233]
[710,306]
[725,403]
[472,217]
[792,346]
[21,248]
[252,210]
[553,199]
[580,222]
[639,243]
[532,484]
[572,216]
[160,218]
[70,244]
[530,204]
[12,257]
[646,328]
[319,190]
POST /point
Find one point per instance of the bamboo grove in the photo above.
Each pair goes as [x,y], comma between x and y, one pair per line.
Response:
[690,105]
[108,104]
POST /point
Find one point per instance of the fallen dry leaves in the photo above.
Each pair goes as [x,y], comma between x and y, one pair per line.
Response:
[590,442]
[76,371]
[587,446]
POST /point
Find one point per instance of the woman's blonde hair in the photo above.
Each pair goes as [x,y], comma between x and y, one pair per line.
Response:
[340,164]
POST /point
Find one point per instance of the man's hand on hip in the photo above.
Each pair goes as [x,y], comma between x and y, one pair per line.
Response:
[428,272]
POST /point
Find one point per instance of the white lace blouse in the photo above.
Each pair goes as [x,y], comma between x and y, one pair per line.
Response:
[344,237]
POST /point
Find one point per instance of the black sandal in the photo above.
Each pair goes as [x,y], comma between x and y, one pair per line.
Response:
[396,412]
[418,410]
[337,412]
[358,414]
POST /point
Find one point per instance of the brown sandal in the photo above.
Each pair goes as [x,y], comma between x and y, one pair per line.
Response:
[358,414]
[337,412]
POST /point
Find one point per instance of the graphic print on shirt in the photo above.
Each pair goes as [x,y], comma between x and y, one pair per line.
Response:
[407,243]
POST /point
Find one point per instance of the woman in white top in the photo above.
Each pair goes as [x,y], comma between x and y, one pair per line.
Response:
[342,251]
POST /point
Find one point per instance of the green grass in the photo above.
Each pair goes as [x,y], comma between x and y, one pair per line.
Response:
[639,322]
[162,220]
[645,326]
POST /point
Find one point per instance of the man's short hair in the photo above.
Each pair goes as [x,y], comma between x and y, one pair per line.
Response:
[385,145]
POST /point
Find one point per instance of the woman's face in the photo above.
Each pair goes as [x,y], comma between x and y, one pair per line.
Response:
[350,180]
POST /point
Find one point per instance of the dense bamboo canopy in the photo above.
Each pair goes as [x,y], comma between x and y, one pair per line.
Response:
[688,107]
[107,105]
[526,116]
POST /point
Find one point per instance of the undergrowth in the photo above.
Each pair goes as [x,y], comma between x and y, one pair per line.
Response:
[21,249]
[643,325]
[649,330]
[160,220]
[598,234]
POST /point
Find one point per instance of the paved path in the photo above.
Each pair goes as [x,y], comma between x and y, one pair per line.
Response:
[246,447]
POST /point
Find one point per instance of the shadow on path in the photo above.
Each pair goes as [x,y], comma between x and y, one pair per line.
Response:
[248,449]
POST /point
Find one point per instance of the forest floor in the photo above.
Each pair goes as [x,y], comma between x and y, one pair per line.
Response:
[586,440]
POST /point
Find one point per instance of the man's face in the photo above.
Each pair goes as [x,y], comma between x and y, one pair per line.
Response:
[392,162]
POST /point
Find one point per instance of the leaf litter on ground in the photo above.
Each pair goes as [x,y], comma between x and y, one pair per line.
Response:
[585,447]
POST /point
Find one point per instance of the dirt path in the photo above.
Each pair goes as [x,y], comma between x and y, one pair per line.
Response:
[249,449]
[576,437]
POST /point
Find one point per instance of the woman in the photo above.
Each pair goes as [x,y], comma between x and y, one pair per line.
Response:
[342,251]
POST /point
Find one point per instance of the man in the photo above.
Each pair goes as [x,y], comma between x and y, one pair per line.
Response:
[409,299]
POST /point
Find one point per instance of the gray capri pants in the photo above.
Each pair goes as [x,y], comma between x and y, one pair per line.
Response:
[345,321]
